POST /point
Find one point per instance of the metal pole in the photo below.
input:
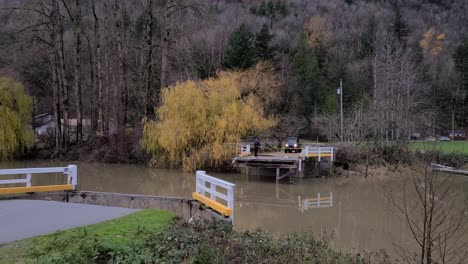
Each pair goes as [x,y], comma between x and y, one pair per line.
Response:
[341,108]
[453,122]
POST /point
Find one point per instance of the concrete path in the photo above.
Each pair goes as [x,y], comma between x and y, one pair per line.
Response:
[27,218]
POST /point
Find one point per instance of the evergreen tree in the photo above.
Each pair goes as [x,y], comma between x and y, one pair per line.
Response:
[399,26]
[263,49]
[281,8]
[240,52]
[461,62]
[367,39]
[306,73]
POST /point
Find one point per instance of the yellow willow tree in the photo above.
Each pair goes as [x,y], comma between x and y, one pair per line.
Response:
[197,119]
[15,117]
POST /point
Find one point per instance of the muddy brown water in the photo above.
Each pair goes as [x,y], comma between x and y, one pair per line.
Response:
[361,217]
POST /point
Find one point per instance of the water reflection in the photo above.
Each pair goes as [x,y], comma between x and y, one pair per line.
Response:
[358,214]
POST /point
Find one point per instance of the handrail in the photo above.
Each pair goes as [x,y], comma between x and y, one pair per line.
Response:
[245,150]
[71,171]
[202,179]
[319,152]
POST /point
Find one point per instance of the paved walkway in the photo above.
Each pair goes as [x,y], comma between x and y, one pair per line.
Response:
[27,218]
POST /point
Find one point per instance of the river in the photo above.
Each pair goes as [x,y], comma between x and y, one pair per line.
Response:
[362,216]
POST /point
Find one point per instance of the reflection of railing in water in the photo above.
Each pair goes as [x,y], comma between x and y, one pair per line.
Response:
[302,204]
[319,202]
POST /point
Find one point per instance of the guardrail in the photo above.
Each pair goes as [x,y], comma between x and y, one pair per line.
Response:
[245,150]
[318,152]
[212,201]
[71,172]
[318,202]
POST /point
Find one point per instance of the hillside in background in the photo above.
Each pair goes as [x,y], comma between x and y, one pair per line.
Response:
[404,64]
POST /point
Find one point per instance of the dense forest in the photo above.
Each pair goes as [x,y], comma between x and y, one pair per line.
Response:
[404,64]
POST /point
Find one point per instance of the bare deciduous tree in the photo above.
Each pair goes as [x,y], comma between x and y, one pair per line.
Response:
[434,210]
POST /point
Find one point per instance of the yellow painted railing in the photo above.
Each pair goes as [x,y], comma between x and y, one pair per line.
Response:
[218,207]
[70,172]
[207,193]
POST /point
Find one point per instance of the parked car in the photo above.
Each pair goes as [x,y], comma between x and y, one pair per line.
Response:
[443,138]
[292,145]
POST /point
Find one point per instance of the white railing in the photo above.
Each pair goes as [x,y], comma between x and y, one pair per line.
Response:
[318,152]
[245,150]
[214,194]
[71,172]
[318,202]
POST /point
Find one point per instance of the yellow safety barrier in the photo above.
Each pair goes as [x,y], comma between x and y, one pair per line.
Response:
[48,188]
[321,155]
[218,207]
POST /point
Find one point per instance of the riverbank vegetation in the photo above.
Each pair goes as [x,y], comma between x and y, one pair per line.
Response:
[197,119]
[15,114]
[150,237]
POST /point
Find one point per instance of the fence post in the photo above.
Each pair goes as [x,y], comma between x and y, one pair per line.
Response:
[230,202]
[73,173]
[200,181]
[28,177]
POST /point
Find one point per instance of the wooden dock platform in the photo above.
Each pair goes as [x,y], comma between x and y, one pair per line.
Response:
[267,161]
[292,163]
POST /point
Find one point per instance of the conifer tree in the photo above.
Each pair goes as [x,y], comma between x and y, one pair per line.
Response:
[240,52]
[461,62]
[306,73]
[263,49]
[399,26]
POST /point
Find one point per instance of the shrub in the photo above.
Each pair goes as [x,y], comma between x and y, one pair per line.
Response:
[201,242]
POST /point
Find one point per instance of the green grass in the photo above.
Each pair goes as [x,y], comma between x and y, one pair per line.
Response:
[447,147]
[117,232]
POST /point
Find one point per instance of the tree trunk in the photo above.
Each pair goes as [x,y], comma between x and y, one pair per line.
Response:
[118,88]
[77,84]
[149,60]
[61,75]
[164,46]
[56,96]
[97,39]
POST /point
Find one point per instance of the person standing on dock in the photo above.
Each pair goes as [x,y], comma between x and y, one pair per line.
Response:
[256,146]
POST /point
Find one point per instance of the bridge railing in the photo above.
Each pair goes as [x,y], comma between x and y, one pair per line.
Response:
[210,196]
[70,171]
[318,152]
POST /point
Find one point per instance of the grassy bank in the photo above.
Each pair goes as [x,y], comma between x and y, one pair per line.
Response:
[75,244]
[151,237]
[446,147]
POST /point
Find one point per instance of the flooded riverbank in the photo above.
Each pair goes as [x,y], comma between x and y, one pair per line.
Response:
[361,216]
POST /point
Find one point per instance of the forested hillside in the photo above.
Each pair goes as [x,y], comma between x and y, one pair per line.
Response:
[404,64]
